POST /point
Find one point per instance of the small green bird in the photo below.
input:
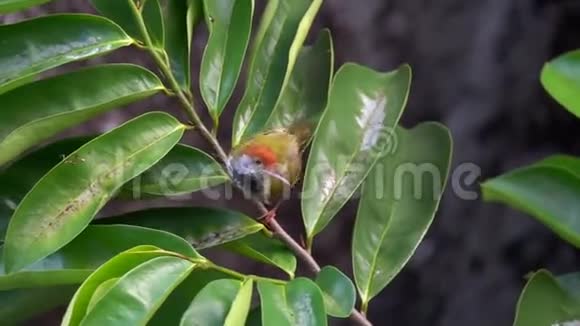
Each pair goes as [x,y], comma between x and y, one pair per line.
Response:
[269,164]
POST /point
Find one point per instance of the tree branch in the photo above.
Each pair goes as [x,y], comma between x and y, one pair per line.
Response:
[276,228]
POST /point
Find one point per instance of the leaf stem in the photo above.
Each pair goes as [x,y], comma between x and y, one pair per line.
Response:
[276,228]
[241,276]
[364,307]
[207,264]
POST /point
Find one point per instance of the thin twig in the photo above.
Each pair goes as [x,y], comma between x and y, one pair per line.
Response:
[304,255]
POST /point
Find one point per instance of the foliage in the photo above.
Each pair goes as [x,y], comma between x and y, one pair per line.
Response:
[148,266]
[549,191]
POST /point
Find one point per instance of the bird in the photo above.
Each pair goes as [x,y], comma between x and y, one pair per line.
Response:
[269,164]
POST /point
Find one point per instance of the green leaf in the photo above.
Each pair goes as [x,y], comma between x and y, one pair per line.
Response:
[566,162]
[184,170]
[94,246]
[398,204]
[64,38]
[64,201]
[279,39]
[363,111]
[181,17]
[176,304]
[153,17]
[100,292]
[222,302]
[211,227]
[123,12]
[37,111]
[561,78]
[230,24]
[306,95]
[17,306]
[202,227]
[20,177]
[138,294]
[300,302]
[7,6]
[544,302]
[241,305]
[262,248]
[116,267]
[548,191]
[338,291]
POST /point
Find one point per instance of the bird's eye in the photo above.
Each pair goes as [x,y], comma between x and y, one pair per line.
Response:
[258,162]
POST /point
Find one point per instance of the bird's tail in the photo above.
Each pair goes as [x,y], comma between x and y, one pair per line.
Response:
[303,130]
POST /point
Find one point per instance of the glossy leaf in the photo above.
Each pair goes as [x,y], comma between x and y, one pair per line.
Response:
[274,304]
[184,170]
[262,248]
[100,292]
[338,291]
[202,227]
[64,38]
[181,18]
[64,201]
[17,306]
[230,24]
[94,246]
[398,204]
[566,162]
[561,78]
[7,6]
[34,112]
[221,303]
[545,302]
[17,179]
[548,191]
[153,18]
[210,227]
[363,111]
[123,12]
[116,267]
[138,294]
[306,95]
[178,302]
[300,302]
[279,39]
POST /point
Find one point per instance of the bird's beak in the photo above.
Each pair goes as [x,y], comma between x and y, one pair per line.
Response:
[277,176]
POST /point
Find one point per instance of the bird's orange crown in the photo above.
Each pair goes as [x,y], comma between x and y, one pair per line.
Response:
[263,153]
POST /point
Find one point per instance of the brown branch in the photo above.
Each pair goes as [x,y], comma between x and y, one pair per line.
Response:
[305,256]
[302,254]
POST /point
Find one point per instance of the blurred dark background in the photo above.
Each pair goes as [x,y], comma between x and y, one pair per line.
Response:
[476,66]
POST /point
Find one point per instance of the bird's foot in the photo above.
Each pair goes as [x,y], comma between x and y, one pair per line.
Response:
[268,217]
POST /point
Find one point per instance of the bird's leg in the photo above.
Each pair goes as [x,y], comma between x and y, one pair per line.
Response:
[269,215]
